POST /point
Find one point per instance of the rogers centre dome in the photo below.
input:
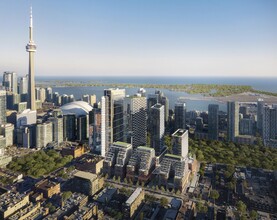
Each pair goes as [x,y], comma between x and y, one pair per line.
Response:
[78,108]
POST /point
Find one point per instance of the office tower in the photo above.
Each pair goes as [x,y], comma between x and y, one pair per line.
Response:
[57,99]
[135,127]
[31,49]
[260,109]
[114,102]
[3,118]
[82,127]
[118,127]
[69,127]
[222,121]
[246,126]
[213,121]
[244,110]
[95,130]
[44,134]
[57,128]
[199,124]
[23,85]
[91,99]
[49,94]
[26,136]
[159,97]
[85,98]
[40,94]
[27,117]
[71,98]
[7,131]
[180,115]
[180,143]
[157,128]
[64,99]
[10,82]
[269,123]
[12,100]
[104,125]
[233,120]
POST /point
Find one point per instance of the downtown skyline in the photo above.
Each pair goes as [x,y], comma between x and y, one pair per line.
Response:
[157,38]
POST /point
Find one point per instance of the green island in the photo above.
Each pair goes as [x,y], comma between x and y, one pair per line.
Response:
[211,90]
[234,154]
[39,163]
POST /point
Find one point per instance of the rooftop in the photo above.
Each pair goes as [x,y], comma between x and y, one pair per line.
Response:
[78,108]
[133,197]
[122,144]
[85,175]
[145,148]
[180,132]
[10,199]
[46,184]
[173,156]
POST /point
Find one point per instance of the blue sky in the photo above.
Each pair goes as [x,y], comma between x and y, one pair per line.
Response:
[141,37]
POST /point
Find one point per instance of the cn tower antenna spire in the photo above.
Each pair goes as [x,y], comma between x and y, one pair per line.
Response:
[31,17]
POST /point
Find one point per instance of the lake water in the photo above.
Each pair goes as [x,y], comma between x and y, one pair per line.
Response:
[266,84]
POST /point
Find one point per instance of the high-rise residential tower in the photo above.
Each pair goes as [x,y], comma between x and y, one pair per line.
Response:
[180,143]
[180,115]
[115,114]
[31,49]
[158,97]
[233,120]
[260,110]
[10,82]
[3,118]
[104,125]
[135,130]
[213,121]
[157,128]
[269,123]
[23,85]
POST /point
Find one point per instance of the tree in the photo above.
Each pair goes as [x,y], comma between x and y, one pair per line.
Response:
[253,215]
[202,208]
[130,181]
[168,143]
[214,195]
[118,179]
[70,169]
[164,201]
[241,207]
[141,216]
[66,195]
[51,207]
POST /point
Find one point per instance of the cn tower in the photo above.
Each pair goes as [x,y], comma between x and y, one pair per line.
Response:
[31,49]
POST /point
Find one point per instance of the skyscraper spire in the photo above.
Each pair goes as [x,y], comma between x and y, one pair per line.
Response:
[31,49]
[31,17]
